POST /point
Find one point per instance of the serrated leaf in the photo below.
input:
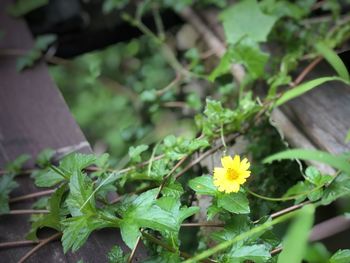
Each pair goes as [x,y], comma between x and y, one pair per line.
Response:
[135,152]
[44,157]
[339,162]
[235,203]
[339,187]
[246,19]
[75,162]
[305,87]
[116,255]
[77,230]
[81,189]
[255,253]
[295,241]
[7,184]
[203,185]
[53,218]
[16,165]
[333,59]
[48,178]
[341,256]
[315,177]
[144,212]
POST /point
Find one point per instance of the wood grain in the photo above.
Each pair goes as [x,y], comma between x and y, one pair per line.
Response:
[34,116]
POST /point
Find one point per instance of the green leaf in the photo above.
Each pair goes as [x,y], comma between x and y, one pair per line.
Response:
[48,178]
[16,165]
[7,184]
[333,59]
[54,217]
[246,19]
[80,200]
[298,189]
[317,253]
[172,206]
[76,162]
[203,185]
[130,232]
[144,212]
[173,189]
[248,53]
[77,230]
[315,177]
[22,7]
[305,87]
[339,187]
[41,44]
[235,203]
[338,162]
[44,157]
[116,255]
[135,152]
[295,241]
[255,253]
[341,256]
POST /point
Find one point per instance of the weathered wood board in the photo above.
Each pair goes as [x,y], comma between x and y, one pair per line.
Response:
[34,116]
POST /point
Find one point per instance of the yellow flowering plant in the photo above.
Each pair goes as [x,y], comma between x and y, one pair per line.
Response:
[232,175]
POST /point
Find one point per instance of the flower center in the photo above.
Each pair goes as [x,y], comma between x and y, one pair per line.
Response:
[231,174]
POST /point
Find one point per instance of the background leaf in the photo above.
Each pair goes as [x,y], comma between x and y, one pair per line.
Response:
[295,241]
[303,88]
[338,162]
[333,59]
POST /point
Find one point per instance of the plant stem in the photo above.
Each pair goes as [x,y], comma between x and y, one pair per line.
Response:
[17,243]
[33,195]
[282,199]
[27,211]
[37,247]
[247,234]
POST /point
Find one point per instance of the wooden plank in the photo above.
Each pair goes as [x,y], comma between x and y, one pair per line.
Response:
[323,114]
[34,116]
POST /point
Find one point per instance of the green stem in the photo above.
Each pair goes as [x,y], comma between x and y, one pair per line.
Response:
[245,235]
[223,138]
[282,199]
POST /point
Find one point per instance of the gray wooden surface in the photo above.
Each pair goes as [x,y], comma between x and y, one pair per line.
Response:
[34,116]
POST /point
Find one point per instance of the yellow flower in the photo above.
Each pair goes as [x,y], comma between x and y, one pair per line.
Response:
[233,173]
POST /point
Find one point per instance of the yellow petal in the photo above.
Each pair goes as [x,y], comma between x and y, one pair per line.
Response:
[236,161]
[226,162]
[219,172]
[245,164]
[233,188]
[245,174]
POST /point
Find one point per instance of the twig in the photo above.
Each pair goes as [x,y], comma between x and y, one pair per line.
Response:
[37,247]
[17,243]
[289,209]
[133,251]
[276,251]
[27,211]
[306,71]
[33,195]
